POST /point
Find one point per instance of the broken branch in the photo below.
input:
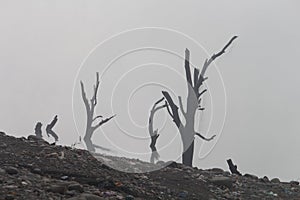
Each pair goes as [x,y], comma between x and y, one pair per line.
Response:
[204,138]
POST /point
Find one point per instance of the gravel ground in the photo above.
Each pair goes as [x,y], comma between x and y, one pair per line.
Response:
[30,168]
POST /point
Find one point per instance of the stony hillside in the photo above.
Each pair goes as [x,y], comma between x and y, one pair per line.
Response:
[33,169]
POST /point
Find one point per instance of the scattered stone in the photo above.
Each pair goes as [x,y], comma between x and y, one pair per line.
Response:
[10,186]
[172,164]
[57,189]
[86,196]
[294,183]
[2,171]
[3,145]
[9,197]
[24,183]
[183,194]
[265,179]
[273,194]
[160,162]
[11,170]
[251,176]
[275,180]
[64,178]
[129,197]
[222,181]
[34,138]
[217,170]
[86,178]
[76,186]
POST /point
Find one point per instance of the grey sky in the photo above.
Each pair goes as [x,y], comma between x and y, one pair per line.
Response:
[44,42]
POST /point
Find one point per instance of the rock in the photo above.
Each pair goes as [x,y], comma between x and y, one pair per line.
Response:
[10,186]
[34,138]
[294,183]
[129,197]
[160,162]
[3,145]
[172,164]
[217,170]
[64,178]
[86,196]
[76,186]
[57,189]
[9,197]
[37,170]
[11,170]
[265,179]
[251,176]
[24,183]
[183,194]
[2,171]
[71,193]
[222,181]
[275,180]
[273,194]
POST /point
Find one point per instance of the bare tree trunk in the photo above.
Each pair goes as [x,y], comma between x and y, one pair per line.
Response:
[88,140]
[90,109]
[187,156]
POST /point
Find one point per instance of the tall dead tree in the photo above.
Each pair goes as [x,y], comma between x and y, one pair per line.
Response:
[154,133]
[91,121]
[187,130]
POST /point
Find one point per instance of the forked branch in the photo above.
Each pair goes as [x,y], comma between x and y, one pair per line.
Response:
[90,109]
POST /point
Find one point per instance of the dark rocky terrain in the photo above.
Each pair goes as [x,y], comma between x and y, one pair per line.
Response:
[33,169]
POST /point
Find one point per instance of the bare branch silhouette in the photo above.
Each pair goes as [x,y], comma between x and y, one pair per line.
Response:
[90,109]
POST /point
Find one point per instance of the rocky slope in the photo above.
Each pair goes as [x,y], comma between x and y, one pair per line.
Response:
[33,169]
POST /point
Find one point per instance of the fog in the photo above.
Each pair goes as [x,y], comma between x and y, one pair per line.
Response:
[48,46]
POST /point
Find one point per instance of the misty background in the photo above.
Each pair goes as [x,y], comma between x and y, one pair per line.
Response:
[44,43]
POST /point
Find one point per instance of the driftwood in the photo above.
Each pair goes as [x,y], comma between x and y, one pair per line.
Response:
[91,124]
[186,130]
[233,168]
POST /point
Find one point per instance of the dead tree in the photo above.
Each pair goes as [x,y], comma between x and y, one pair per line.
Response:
[91,124]
[187,131]
[154,133]
[38,130]
[49,128]
[233,168]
